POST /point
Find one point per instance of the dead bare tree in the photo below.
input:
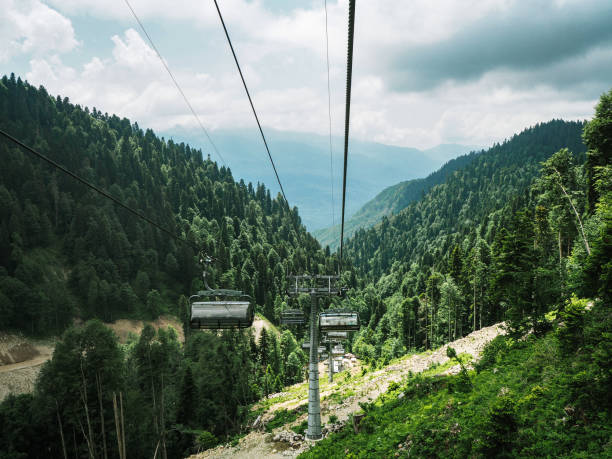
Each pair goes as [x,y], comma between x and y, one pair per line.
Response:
[102,428]
[61,429]
[584,238]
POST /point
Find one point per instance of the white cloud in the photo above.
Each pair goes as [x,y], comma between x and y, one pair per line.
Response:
[31,27]
[283,57]
[132,83]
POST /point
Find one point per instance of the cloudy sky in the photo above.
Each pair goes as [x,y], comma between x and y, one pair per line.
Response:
[425,72]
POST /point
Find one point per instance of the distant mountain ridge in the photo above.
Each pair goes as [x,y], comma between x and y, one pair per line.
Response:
[390,201]
[303,164]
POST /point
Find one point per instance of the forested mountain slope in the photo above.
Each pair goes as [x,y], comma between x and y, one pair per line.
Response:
[67,255]
[457,208]
[390,201]
[505,238]
[443,266]
[303,162]
[65,251]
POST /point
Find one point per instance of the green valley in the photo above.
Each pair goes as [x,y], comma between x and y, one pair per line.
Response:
[514,239]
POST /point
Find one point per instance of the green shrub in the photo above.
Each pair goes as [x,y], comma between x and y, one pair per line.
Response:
[492,353]
[462,382]
[236,439]
[206,440]
[301,427]
[281,418]
[499,431]
[571,329]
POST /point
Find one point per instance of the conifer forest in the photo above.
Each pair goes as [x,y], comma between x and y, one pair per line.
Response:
[103,221]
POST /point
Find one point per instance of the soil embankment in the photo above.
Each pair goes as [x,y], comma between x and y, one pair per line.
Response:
[20,361]
[21,358]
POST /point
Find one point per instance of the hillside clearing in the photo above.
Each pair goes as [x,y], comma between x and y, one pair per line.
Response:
[21,358]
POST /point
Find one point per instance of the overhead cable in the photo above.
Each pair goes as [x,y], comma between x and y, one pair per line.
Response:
[180,90]
[98,190]
[349,76]
[251,102]
[331,155]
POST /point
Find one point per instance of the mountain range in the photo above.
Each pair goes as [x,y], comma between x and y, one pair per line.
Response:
[304,167]
[390,201]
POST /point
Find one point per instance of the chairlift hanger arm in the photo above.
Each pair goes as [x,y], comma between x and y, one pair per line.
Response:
[319,291]
[221,292]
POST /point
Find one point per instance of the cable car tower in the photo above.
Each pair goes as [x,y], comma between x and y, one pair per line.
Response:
[317,287]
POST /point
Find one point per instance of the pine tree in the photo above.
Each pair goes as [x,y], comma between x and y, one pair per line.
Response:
[188,399]
[513,281]
[263,348]
[598,137]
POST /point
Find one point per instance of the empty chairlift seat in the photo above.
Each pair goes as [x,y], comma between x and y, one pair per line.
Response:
[336,336]
[221,314]
[337,351]
[339,321]
[320,349]
[292,317]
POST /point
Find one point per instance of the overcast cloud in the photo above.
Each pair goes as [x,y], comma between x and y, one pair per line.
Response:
[425,72]
[528,36]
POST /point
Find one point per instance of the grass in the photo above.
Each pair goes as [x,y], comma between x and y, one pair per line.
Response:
[298,391]
[345,385]
[283,417]
[339,396]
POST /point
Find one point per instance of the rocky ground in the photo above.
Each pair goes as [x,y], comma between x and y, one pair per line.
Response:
[342,397]
[20,362]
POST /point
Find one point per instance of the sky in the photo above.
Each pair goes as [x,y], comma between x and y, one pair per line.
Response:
[426,72]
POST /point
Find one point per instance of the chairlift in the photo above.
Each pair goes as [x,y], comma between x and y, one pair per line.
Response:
[320,349]
[336,336]
[337,351]
[292,317]
[339,321]
[220,309]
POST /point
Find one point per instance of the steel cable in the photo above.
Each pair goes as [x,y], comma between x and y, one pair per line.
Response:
[331,156]
[180,90]
[98,190]
[349,76]
[251,102]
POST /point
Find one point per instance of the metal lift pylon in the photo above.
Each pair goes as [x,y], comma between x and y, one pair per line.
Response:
[316,287]
[330,369]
